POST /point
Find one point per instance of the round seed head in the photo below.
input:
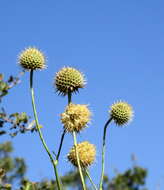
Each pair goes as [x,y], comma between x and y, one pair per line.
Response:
[75,117]
[86,153]
[32,59]
[68,80]
[121,113]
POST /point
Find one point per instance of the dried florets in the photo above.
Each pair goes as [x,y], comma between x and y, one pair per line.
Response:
[86,153]
[75,117]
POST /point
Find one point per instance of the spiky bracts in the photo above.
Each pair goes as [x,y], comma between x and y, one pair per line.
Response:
[75,117]
[121,112]
[32,59]
[86,153]
[69,80]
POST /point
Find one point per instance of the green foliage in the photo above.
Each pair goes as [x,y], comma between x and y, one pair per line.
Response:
[16,122]
[6,85]
[131,179]
[11,169]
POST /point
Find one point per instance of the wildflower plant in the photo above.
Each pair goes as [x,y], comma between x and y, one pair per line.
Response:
[74,118]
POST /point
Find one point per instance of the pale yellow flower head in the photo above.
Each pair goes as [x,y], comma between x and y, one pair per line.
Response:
[75,117]
[86,153]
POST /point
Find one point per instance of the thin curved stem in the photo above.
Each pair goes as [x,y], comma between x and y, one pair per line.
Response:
[54,163]
[90,179]
[78,161]
[64,132]
[103,153]
[61,143]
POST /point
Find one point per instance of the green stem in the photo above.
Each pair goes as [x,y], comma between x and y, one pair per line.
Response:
[54,163]
[103,153]
[78,161]
[64,132]
[69,97]
[90,179]
[60,146]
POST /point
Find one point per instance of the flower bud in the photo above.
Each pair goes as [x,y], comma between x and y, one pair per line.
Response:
[121,113]
[69,80]
[32,59]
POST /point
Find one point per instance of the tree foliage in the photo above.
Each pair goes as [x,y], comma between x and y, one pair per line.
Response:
[13,123]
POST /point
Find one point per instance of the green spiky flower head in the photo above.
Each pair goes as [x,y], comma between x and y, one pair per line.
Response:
[75,117]
[121,112]
[86,153]
[69,80]
[32,59]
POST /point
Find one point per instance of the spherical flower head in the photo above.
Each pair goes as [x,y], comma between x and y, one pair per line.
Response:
[32,59]
[75,117]
[121,113]
[86,153]
[69,80]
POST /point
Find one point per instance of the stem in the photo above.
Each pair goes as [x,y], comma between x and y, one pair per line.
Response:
[103,153]
[64,132]
[69,97]
[78,161]
[90,179]
[60,146]
[40,133]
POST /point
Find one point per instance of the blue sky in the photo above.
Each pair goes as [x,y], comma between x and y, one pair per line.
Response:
[119,47]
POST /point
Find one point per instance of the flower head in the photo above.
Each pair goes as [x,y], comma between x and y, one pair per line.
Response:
[121,113]
[32,59]
[69,80]
[86,153]
[75,117]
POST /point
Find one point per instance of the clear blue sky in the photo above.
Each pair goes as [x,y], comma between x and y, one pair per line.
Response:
[119,46]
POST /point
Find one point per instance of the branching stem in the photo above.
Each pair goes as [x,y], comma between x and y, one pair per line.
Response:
[54,163]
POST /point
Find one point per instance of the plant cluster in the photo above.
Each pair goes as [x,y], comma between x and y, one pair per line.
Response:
[75,118]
